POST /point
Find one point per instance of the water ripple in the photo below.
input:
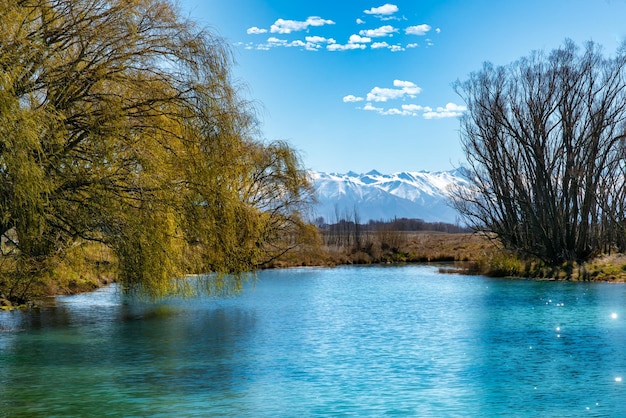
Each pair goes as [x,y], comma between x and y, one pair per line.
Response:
[366,341]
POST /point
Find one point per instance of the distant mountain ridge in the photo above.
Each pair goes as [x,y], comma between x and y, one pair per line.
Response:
[408,194]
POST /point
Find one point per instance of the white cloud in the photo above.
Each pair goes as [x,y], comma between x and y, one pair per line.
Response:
[318,21]
[339,47]
[319,40]
[384,10]
[287,26]
[404,89]
[400,83]
[309,46]
[311,43]
[378,45]
[368,106]
[352,99]
[398,112]
[392,48]
[455,107]
[418,30]
[356,39]
[315,39]
[255,31]
[412,108]
[451,110]
[380,94]
[274,40]
[387,112]
[355,42]
[386,30]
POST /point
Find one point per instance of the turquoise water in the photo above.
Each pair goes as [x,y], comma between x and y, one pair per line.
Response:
[361,341]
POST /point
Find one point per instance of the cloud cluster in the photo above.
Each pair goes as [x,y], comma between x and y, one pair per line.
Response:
[287,26]
[368,38]
[419,30]
[385,10]
[380,32]
[403,90]
[406,89]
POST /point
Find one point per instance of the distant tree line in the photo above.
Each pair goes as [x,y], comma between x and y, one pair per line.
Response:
[414,225]
[347,230]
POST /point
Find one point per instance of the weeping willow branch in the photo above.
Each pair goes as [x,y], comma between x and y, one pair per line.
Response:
[120,123]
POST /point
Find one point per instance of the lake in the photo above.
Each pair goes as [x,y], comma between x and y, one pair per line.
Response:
[362,341]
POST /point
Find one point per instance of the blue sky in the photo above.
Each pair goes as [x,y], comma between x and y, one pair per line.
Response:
[361,85]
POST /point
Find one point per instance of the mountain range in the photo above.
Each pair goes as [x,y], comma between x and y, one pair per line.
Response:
[376,196]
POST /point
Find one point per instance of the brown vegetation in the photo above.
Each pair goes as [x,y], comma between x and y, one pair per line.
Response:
[501,263]
[464,252]
[91,265]
[83,268]
[388,246]
[544,144]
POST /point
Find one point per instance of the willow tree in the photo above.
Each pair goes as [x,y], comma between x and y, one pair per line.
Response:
[544,140]
[120,123]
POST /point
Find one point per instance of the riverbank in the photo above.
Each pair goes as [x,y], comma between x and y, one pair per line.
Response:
[92,266]
[606,268]
[472,253]
[83,268]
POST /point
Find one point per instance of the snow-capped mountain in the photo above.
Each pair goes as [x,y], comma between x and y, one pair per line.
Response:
[422,195]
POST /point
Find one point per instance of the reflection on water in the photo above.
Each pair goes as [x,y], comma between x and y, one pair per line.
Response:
[365,341]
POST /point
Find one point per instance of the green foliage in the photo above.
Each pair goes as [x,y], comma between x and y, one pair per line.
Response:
[504,264]
[120,124]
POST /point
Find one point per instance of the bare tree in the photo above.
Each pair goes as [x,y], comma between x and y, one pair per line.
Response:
[544,140]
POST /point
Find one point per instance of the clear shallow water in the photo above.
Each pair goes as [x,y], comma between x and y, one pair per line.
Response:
[363,341]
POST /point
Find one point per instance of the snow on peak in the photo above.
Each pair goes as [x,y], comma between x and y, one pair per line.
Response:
[408,194]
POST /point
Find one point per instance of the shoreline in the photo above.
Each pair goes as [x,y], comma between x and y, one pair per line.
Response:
[40,301]
[463,253]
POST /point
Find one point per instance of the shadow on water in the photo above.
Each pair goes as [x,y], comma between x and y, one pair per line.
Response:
[81,357]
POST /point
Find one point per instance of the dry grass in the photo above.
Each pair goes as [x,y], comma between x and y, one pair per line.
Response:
[89,266]
[608,268]
[391,247]
[432,246]
[500,263]
[82,268]
[473,254]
